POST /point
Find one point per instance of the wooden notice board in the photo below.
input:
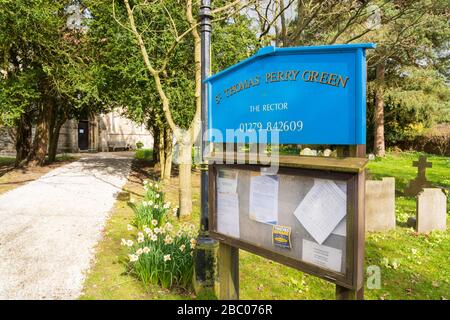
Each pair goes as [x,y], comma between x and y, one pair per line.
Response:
[309,215]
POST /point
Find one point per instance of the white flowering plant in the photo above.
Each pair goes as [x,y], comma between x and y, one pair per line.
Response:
[153,206]
[162,255]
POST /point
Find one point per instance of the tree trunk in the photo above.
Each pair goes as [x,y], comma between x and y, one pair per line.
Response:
[161,156]
[156,132]
[41,137]
[379,146]
[184,168]
[168,151]
[54,138]
[283,24]
[23,138]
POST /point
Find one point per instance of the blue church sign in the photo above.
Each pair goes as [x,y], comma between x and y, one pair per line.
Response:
[310,95]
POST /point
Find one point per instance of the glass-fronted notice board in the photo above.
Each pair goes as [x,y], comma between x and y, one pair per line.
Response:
[307,215]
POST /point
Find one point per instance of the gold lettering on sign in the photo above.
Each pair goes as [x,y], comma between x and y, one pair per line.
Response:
[326,78]
[242,85]
[278,76]
[344,82]
[330,79]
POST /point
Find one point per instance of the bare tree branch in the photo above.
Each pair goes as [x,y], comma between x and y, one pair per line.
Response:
[277,15]
[153,72]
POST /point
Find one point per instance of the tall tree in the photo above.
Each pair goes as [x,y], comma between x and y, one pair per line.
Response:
[407,33]
[44,73]
[167,36]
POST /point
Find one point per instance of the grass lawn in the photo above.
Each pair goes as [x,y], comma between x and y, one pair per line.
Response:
[11,177]
[412,266]
[6,161]
[144,154]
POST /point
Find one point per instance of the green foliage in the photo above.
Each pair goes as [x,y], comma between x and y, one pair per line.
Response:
[139,144]
[232,41]
[416,100]
[152,208]
[121,76]
[160,254]
[44,67]
[412,39]
[144,154]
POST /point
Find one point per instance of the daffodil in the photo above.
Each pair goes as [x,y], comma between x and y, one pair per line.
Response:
[154,222]
[182,247]
[146,249]
[154,237]
[193,243]
[168,239]
[133,257]
[129,227]
[130,243]
[123,242]
[169,226]
[167,257]
[139,251]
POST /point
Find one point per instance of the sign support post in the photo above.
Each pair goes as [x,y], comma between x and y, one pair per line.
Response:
[343,293]
[205,263]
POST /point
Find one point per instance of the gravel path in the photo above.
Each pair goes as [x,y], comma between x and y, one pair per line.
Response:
[49,227]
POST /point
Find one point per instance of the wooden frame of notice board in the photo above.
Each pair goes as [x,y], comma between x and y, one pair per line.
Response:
[346,171]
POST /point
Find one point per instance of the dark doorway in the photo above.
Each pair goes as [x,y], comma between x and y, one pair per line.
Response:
[83,135]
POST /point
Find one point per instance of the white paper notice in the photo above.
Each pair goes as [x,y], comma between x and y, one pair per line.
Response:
[264,199]
[322,209]
[323,256]
[341,229]
[228,214]
[227,181]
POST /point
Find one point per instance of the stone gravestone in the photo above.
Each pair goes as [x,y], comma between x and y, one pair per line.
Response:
[431,210]
[380,204]
[416,185]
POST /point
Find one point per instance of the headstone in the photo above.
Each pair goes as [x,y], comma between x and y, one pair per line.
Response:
[327,152]
[380,204]
[416,185]
[306,152]
[431,210]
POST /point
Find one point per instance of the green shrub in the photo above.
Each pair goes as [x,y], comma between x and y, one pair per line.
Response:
[151,208]
[144,154]
[139,145]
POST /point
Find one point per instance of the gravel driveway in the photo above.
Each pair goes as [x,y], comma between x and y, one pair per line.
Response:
[49,227]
